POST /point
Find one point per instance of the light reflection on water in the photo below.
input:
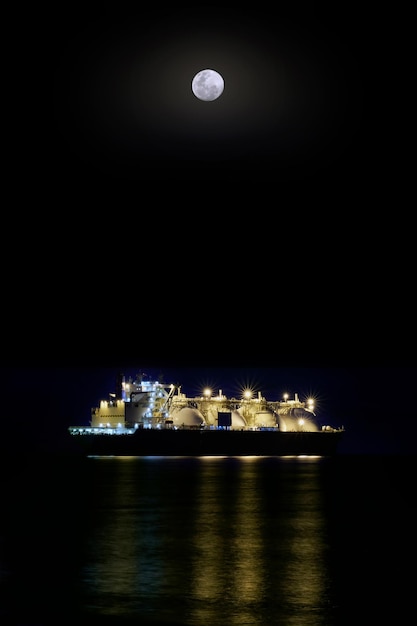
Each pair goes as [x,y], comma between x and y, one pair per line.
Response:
[213,541]
[209,541]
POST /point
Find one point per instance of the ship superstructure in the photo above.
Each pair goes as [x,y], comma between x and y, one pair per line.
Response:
[150,404]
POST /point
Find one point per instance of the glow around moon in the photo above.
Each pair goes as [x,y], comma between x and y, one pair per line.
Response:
[207,85]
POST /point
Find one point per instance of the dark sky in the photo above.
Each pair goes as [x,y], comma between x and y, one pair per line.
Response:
[295,106]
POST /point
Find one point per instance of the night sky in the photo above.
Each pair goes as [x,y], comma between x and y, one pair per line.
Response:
[263,232]
[295,107]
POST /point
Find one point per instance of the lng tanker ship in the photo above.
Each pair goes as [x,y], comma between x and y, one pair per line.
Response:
[147,417]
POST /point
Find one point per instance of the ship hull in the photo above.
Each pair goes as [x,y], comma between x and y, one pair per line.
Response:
[167,442]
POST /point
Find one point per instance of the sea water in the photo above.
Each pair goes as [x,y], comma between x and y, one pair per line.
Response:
[210,541]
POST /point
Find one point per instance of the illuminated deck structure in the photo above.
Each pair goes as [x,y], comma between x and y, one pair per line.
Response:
[149,417]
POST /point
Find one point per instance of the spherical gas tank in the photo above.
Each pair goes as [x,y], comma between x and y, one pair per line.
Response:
[297,419]
[238,421]
[188,417]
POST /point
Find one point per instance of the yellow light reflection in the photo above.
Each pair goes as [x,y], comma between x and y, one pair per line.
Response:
[226,558]
[305,579]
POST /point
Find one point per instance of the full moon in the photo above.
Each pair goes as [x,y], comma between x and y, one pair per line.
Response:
[207,85]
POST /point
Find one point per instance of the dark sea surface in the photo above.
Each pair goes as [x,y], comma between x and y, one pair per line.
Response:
[208,541]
